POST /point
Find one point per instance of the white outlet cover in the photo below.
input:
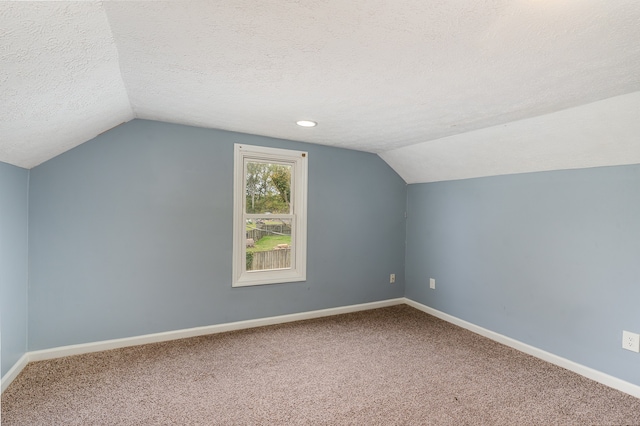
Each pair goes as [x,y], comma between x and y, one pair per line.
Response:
[631,341]
[432,283]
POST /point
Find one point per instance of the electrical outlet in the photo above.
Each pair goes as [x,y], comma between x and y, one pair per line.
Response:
[432,283]
[631,341]
[392,278]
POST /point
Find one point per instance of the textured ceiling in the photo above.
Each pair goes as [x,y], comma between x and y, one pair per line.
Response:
[60,82]
[421,83]
[603,133]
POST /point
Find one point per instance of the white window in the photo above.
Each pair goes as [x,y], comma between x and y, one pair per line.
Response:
[270,216]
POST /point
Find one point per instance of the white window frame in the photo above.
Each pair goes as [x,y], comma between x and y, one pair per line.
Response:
[299,174]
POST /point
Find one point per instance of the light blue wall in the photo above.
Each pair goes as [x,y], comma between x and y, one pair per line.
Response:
[14,183]
[551,259]
[130,234]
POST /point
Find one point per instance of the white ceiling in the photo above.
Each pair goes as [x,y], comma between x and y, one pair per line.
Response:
[426,84]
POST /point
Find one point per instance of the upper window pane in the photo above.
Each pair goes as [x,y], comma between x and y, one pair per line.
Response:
[267,188]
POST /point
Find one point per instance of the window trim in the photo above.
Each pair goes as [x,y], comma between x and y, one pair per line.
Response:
[299,178]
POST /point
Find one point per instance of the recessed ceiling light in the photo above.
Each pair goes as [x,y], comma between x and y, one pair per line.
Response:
[306,123]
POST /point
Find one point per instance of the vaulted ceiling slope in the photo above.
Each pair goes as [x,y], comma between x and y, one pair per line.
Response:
[443,89]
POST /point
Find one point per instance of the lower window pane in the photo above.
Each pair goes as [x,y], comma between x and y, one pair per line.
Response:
[268,244]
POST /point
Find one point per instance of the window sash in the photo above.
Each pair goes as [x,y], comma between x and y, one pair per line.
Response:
[245,154]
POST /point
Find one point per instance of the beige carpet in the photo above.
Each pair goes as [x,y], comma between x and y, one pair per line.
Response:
[391,366]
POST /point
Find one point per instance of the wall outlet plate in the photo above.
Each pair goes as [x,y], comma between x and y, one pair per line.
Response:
[631,341]
[392,278]
[432,283]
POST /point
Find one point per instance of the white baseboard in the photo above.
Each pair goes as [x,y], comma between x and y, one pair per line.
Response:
[104,345]
[588,372]
[14,371]
[63,351]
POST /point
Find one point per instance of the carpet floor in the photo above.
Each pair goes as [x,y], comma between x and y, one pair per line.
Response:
[389,366]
